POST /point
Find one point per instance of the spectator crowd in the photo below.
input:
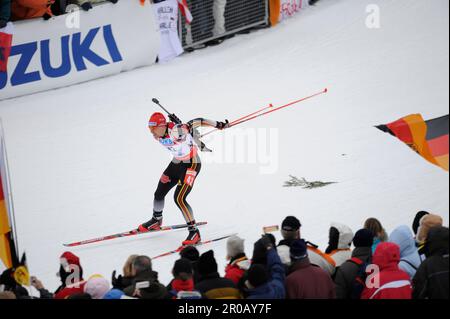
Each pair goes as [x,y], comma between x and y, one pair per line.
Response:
[15,10]
[408,263]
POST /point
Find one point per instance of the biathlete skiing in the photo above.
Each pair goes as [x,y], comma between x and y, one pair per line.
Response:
[181,140]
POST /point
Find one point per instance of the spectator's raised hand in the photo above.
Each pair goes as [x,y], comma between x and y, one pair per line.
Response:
[36,283]
[267,241]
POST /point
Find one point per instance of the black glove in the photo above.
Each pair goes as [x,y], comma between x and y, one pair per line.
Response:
[267,241]
[3,23]
[113,1]
[174,119]
[116,282]
[86,6]
[223,125]
[46,16]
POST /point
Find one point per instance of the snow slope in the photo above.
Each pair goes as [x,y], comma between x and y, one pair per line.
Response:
[83,163]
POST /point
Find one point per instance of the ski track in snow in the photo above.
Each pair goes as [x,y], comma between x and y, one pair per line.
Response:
[83,164]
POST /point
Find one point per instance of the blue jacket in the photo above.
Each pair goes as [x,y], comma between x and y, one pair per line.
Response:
[273,289]
[376,242]
[409,256]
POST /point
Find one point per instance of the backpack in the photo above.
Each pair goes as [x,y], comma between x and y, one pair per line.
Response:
[409,263]
[359,282]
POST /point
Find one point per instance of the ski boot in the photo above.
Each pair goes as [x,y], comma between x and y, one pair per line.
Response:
[193,237]
[153,224]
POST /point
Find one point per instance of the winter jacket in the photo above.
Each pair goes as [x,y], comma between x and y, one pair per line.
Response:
[376,242]
[28,9]
[394,283]
[307,281]
[274,288]
[320,259]
[178,285]
[212,286]
[45,294]
[283,250]
[431,279]
[409,256]
[346,274]
[236,268]
[154,291]
[340,241]
[74,289]
[5,10]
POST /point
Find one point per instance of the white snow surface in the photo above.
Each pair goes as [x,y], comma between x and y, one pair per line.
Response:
[83,163]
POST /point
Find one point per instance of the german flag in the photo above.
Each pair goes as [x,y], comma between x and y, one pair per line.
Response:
[428,138]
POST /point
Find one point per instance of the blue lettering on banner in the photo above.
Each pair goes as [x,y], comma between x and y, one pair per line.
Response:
[65,66]
[81,51]
[111,44]
[19,75]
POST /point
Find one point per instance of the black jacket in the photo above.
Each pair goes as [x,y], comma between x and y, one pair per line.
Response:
[155,291]
[347,272]
[431,280]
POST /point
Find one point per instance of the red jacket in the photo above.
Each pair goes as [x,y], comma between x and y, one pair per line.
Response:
[28,9]
[394,283]
[307,281]
[77,288]
[236,269]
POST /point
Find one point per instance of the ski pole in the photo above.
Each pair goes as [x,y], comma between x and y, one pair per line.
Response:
[280,107]
[258,113]
[251,114]
[240,119]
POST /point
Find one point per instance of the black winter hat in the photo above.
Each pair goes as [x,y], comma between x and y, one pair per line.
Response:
[257,275]
[298,250]
[191,253]
[416,222]
[207,263]
[363,238]
[182,265]
[291,223]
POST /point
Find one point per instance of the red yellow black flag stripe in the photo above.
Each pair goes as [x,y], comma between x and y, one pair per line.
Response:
[7,250]
[5,231]
[427,138]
